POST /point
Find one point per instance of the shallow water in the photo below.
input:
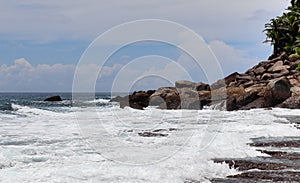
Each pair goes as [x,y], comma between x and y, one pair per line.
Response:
[55,142]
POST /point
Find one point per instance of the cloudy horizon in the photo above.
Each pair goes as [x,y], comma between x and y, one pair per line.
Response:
[42,41]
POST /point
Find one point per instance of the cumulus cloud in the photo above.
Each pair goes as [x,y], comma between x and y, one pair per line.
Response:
[23,77]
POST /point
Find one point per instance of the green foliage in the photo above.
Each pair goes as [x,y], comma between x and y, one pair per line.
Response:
[283,31]
[298,68]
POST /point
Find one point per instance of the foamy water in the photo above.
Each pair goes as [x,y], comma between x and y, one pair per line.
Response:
[102,144]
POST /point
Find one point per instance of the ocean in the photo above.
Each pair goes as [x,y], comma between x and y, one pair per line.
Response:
[96,141]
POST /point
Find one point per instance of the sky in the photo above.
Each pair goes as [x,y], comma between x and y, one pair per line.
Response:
[42,42]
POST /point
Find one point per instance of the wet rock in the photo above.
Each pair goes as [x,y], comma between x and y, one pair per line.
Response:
[256,163]
[137,100]
[274,176]
[53,99]
[282,155]
[285,143]
[140,98]
[152,134]
[116,99]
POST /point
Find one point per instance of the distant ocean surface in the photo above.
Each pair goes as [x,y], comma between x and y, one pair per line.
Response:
[97,141]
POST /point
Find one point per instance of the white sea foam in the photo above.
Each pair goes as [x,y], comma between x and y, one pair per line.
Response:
[103,101]
[47,146]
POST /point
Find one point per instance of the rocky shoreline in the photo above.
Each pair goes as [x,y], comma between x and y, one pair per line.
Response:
[272,83]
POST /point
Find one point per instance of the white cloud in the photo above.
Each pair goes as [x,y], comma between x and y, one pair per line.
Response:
[232,59]
[22,76]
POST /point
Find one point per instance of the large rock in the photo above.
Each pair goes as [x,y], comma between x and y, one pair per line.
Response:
[202,87]
[53,99]
[224,82]
[137,100]
[291,103]
[258,103]
[189,99]
[185,84]
[259,70]
[277,91]
[295,90]
[278,66]
[170,96]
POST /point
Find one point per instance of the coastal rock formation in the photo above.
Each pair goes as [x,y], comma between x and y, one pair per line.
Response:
[272,83]
[53,99]
[137,100]
[277,91]
[170,98]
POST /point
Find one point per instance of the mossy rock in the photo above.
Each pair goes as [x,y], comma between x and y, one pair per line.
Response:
[294,57]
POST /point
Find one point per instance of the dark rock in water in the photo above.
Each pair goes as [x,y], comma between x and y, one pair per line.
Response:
[137,100]
[53,99]
[273,176]
[277,91]
[152,134]
[117,99]
[254,163]
[231,103]
[140,98]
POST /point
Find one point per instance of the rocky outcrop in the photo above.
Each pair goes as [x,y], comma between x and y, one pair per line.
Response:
[291,103]
[272,83]
[53,99]
[277,91]
[137,100]
[169,97]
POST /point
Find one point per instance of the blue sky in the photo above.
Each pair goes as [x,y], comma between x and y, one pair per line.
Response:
[42,41]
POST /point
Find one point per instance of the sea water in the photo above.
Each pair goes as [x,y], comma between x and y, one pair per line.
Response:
[99,142]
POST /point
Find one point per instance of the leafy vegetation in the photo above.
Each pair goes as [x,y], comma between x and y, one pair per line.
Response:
[283,32]
[298,67]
